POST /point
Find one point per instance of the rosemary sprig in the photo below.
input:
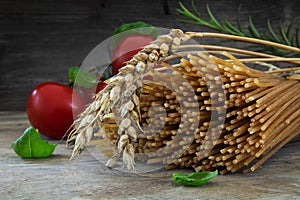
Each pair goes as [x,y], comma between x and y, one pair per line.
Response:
[285,37]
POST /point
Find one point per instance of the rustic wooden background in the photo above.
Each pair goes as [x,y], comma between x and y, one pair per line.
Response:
[40,40]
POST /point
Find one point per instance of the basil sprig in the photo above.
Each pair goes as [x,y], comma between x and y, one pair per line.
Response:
[195,178]
[31,145]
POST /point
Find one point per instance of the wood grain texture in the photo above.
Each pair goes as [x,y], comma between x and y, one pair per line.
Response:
[86,178]
[40,40]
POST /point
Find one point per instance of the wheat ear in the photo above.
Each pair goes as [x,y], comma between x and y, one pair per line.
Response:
[121,99]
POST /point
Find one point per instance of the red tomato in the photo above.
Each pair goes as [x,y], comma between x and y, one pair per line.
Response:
[127,48]
[101,85]
[52,107]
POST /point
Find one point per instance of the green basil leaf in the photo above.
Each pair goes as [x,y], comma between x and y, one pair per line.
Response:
[194,179]
[31,145]
[82,78]
[72,74]
[139,27]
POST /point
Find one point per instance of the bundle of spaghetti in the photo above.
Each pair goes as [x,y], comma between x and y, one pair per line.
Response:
[202,111]
[256,120]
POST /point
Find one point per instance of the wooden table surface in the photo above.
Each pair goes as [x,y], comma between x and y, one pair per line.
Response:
[86,178]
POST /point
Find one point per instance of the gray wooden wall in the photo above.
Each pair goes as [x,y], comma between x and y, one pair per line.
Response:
[40,40]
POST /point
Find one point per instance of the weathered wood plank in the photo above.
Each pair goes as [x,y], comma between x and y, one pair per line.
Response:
[85,178]
[40,40]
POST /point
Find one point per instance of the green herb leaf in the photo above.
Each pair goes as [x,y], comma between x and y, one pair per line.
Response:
[275,38]
[139,27]
[31,145]
[72,74]
[238,22]
[283,35]
[194,179]
[231,29]
[253,29]
[294,20]
[82,78]
[213,20]
[187,13]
